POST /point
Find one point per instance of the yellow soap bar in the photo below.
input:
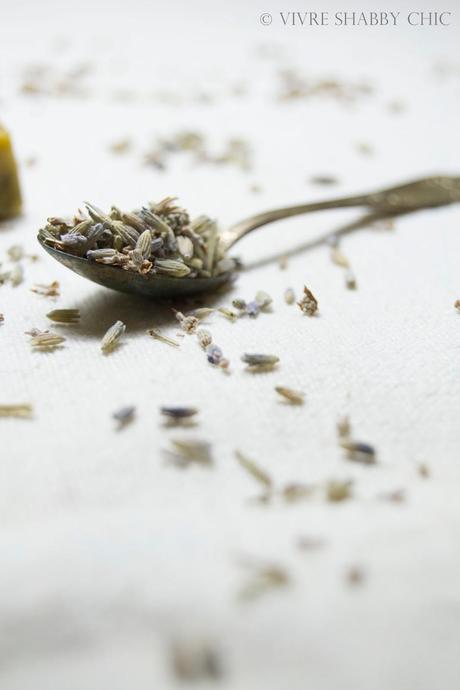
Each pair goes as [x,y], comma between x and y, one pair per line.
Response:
[10,193]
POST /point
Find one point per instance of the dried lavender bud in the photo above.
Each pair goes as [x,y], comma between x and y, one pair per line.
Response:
[359,452]
[123,260]
[45,340]
[189,324]
[179,416]
[283,262]
[350,281]
[144,244]
[201,312]
[64,315]
[156,245]
[124,415]
[96,214]
[308,304]
[22,410]
[266,577]
[289,296]
[16,252]
[355,576]
[257,472]
[343,427]
[179,412]
[423,470]
[97,254]
[51,290]
[185,246]
[228,313]
[94,234]
[57,221]
[396,496]
[310,543]
[123,234]
[204,338]
[323,180]
[201,225]
[296,492]
[198,265]
[157,335]
[364,148]
[294,397]
[155,221]
[16,275]
[120,146]
[133,220]
[260,361]
[263,299]
[81,228]
[172,268]
[252,309]
[214,354]
[155,159]
[73,241]
[226,265]
[187,451]
[112,336]
[338,258]
[337,491]
[239,304]
[195,660]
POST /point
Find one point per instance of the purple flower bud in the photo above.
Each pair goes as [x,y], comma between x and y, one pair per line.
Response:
[252,309]
[214,354]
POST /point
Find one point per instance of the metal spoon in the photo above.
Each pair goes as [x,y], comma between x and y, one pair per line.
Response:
[428,192]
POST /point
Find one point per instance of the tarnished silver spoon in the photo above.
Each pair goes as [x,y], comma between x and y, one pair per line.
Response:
[429,192]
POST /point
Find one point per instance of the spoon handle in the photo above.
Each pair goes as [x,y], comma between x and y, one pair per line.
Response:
[427,192]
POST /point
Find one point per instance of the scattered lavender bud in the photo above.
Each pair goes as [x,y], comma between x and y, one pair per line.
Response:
[73,240]
[214,354]
[263,299]
[124,415]
[344,427]
[228,313]
[289,296]
[189,324]
[204,338]
[308,304]
[111,339]
[178,412]
[252,309]
[293,396]
[260,361]
[337,491]
[239,304]
[359,452]
[350,280]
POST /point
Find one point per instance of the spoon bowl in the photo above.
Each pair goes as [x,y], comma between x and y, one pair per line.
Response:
[152,285]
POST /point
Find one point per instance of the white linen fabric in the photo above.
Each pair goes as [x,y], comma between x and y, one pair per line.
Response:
[108,552]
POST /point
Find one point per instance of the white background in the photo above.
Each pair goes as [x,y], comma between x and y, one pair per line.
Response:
[107,551]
